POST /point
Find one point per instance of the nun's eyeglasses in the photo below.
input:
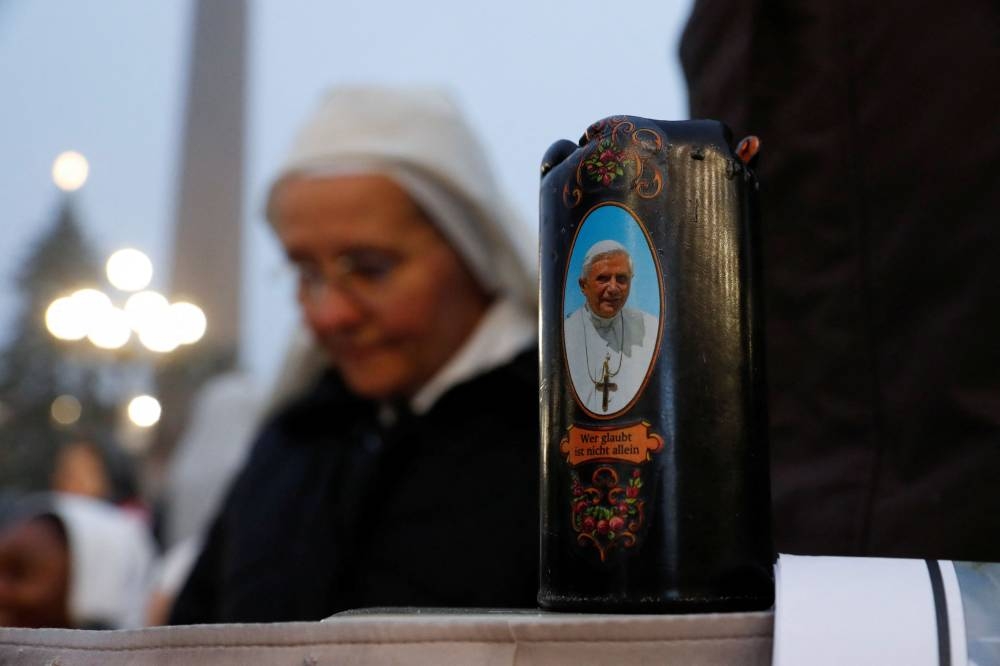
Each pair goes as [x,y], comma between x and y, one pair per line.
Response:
[359,274]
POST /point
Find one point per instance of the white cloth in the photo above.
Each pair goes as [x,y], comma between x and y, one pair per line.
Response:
[866,610]
[210,451]
[423,637]
[111,560]
[626,340]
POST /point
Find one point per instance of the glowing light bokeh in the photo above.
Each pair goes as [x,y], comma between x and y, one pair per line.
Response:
[110,329]
[158,333]
[159,325]
[70,170]
[66,410]
[63,320]
[189,322]
[144,411]
[129,270]
[144,307]
[90,302]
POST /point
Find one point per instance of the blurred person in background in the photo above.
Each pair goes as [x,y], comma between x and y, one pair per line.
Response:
[79,469]
[880,192]
[403,470]
[92,467]
[72,561]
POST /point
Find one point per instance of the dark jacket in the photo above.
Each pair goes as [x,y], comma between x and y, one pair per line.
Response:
[333,512]
[880,195]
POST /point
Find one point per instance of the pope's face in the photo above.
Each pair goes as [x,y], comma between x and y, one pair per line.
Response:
[607,284]
[383,292]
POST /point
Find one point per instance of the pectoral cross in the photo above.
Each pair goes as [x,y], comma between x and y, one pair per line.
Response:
[605,384]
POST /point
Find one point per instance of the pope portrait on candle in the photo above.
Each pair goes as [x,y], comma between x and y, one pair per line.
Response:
[609,345]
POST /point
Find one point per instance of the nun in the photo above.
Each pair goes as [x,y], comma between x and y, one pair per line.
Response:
[399,463]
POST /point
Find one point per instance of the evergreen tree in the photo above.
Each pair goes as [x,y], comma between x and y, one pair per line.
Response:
[35,367]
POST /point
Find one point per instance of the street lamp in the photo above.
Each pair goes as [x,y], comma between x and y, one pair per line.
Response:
[147,315]
[159,325]
[144,411]
[129,269]
[70,170]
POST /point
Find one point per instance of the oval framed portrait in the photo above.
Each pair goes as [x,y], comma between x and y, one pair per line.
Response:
[612,302]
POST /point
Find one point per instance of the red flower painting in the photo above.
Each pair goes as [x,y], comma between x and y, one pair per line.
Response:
[605,163]
[606,513]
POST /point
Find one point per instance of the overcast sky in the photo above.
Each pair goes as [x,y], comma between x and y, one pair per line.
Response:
[107,77]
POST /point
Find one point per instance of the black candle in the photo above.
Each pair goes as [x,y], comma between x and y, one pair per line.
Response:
[655,490]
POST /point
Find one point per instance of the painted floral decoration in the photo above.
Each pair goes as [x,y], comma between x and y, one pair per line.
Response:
[607,514]
[605,163]
[617,145]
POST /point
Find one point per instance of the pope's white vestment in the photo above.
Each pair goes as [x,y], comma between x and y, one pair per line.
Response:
[626,341]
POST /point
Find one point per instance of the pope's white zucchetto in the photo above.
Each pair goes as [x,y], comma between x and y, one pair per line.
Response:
[601,249]
[418,137]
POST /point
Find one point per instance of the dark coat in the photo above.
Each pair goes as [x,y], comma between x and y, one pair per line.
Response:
[332,512]
[880,195]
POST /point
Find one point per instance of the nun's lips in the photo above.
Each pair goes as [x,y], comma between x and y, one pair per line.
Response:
[349,344]
[343,351]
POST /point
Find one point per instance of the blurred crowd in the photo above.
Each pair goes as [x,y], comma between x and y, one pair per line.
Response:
[91,552]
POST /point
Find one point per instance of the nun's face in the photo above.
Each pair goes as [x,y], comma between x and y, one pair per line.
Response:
[381,289]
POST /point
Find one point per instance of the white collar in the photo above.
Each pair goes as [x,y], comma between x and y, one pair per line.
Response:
[504,331]
[602,322]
